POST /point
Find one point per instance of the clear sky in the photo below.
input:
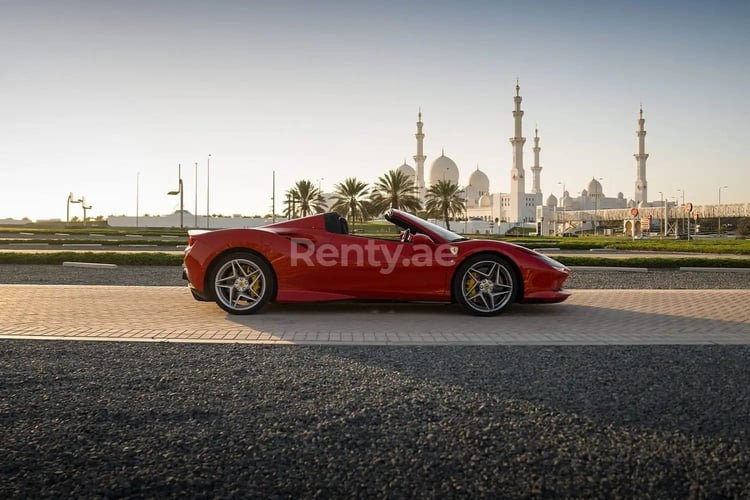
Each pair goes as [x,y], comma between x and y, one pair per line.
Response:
[95,95]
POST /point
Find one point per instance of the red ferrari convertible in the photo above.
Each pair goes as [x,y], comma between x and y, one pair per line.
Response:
[316,259]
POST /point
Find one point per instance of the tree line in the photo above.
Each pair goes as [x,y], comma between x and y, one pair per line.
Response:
[357,200]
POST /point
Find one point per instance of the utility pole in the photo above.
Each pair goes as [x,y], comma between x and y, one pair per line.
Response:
[208,190]
[719,211]
[196,195]
[273,198]
[179,191]
[83,205]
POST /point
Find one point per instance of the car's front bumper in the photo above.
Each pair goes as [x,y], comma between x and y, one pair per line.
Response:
[548,297]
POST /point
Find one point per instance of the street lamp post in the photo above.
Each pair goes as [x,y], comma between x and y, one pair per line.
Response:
[137,196]
[196,195]
[320,191]
[273,198]
[664,202]
[596,206]
[208,190]
[719,211]
[67,210]
[180,192]
[596,215]
[83,205]
[682,192]
[560,202]
[466,210]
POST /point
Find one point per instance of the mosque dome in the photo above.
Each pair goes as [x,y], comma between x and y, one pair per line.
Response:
[407,170]
[595,188]
[551,201]
[480,181]
[443,168]
[485,201]
[620,196]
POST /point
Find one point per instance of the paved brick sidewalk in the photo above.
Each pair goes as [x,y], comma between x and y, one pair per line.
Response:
[170,314]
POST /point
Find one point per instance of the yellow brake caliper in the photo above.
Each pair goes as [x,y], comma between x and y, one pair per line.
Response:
[256,287]
[470,284]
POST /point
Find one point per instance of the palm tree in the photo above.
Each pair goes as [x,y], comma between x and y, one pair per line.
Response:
[290,209]
[350,199]
[395,190]
[446,199]
[304,199]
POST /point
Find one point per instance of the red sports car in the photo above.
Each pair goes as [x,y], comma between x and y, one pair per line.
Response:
[316,259]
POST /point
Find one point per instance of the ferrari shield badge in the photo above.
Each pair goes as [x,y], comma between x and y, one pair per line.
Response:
[454,250]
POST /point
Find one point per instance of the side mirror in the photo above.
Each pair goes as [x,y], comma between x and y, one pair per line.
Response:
[421,239]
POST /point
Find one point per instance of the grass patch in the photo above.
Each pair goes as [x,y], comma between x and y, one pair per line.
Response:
[95,241]
[105,231]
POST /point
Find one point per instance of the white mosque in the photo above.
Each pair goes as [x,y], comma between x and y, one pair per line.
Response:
[593,198]
[507,209]
[519,206]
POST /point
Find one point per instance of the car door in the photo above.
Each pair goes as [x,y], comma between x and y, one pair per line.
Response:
[387,269]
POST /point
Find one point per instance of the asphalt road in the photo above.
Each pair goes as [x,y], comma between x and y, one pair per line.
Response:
[95,420]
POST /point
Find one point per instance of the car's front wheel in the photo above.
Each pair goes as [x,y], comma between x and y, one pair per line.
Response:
[485,285]
[242,283]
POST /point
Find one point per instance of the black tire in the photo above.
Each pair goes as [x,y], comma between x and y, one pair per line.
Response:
[242,283]
[485,285]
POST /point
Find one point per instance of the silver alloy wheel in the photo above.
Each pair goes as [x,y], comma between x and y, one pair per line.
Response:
[240,284]
[487,286]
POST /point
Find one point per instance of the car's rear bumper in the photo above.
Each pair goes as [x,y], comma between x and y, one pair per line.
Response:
[196,294]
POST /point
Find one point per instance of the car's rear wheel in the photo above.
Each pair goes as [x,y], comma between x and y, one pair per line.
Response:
[485,285]
[242,283]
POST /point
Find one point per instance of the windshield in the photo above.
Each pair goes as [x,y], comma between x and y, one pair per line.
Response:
[440,231]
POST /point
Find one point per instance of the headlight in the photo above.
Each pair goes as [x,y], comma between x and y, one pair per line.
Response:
[552,262]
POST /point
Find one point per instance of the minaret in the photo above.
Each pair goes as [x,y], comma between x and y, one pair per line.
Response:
[536,169]
[419,158]
[518,182]
[641,186]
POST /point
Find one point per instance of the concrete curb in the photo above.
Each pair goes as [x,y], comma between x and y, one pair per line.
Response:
[90,265]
